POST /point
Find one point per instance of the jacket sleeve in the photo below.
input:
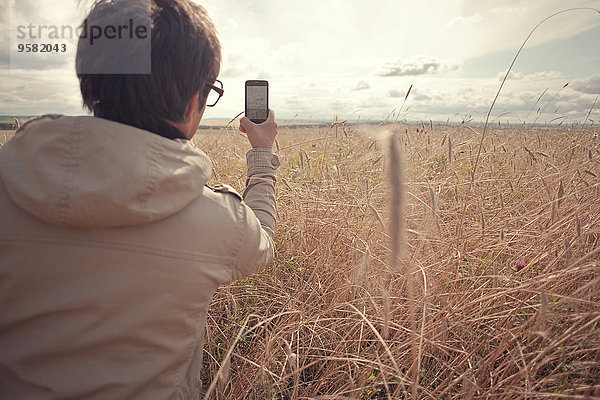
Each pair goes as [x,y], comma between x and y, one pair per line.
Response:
[258,213]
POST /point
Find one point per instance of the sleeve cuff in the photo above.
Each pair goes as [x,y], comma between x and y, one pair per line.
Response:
[261,160]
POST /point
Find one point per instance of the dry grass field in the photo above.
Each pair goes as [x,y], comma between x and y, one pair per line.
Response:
[4,136]
[494,292]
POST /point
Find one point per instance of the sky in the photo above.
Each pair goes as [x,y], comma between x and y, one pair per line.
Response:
[356,60]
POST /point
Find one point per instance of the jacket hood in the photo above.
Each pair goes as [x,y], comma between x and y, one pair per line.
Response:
[92,172]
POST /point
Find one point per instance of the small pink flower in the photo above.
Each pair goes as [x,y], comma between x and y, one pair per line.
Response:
[520,264]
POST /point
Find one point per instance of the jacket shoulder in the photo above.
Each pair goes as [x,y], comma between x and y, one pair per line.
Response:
[223,188]
[35,119]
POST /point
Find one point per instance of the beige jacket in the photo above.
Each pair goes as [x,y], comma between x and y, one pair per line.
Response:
[111,248]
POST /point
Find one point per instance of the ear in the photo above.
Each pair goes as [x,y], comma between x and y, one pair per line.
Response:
[192,106]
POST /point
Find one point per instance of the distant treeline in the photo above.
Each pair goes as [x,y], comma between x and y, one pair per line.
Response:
[315,125]
[4,126]
[9,126]
[290,126]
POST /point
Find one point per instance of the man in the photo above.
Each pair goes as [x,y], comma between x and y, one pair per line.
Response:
[111,244]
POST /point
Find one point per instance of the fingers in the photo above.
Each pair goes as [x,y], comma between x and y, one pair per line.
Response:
[245,123]
[260,135]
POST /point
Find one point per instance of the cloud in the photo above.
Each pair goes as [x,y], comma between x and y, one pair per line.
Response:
[464,21]
[4,56]
[545,75]
[589,85]
[34,93]
[477,6]
[362,85]
[422,65]
[422,97]
[537,76]
[515,75]
[478,23]
[396,93]
[4,34]
[415,94]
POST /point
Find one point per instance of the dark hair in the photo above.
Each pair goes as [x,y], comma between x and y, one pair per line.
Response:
[185,56]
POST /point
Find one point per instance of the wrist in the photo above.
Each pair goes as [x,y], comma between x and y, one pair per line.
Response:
[261,160]
[261,146]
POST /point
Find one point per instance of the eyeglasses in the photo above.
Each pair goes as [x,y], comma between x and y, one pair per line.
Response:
[216,92]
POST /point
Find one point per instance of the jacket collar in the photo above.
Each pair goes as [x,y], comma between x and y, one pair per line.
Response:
[168,131]
[160,128]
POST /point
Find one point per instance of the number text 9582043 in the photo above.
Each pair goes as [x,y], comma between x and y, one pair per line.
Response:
[41,48]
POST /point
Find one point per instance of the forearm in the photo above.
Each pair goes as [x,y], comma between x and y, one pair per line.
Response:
[259,194]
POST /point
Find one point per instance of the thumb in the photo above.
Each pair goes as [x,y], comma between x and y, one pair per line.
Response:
[245,124]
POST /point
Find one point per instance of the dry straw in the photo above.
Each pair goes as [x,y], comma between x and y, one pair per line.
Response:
[482,327]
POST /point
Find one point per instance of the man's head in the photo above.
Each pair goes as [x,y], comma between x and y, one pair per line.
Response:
[185,57]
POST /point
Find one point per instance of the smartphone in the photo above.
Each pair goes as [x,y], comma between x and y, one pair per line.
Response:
[257,100]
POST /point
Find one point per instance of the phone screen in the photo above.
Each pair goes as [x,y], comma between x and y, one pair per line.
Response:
[256,102]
